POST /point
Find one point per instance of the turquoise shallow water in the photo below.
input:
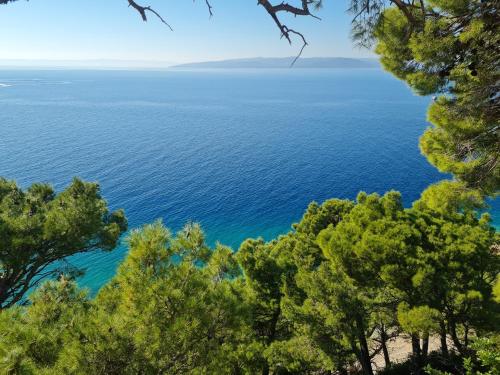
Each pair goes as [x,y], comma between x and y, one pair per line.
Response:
[242,152]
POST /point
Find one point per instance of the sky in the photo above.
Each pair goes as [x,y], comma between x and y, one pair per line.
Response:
[110,30]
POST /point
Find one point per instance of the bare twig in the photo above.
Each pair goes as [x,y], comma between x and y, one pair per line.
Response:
[142,11]
[303,45]
[273,11]
[209,6]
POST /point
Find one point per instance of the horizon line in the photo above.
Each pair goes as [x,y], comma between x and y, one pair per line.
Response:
[136,63]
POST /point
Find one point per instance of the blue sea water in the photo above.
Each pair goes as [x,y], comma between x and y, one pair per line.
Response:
[241,152]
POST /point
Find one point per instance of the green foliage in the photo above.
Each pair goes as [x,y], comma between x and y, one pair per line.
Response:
[488,352]
[298,355]
[487,355]
[31,341]
[324,298]
[496,290]
[163,313]
[420,320]
[450,47]
[176,316]
[39,228]
[448,197]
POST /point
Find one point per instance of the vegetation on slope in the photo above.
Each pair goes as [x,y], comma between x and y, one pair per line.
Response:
[324,298]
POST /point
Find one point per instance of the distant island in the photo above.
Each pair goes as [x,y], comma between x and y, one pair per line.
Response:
[248,63]
[284,62]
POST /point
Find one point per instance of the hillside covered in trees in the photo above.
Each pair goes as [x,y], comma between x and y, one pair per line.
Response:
[351,277]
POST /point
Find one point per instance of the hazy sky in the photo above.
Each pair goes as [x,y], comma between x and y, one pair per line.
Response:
[108,29]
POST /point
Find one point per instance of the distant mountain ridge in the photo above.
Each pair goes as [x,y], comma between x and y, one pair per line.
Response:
[284,62]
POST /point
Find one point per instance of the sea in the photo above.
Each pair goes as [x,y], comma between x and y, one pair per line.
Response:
[242,152]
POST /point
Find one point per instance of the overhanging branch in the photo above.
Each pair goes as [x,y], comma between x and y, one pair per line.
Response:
[143,9]
[286,32]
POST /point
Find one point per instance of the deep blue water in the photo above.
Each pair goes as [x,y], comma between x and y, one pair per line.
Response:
[242,152]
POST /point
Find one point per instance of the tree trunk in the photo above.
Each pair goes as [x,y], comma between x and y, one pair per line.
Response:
[425,346]
[386,355]
[365,356]
[455,339]
[364,352]
[383,341]
[444,343]
[415,345]
[363,360]
[417,354]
